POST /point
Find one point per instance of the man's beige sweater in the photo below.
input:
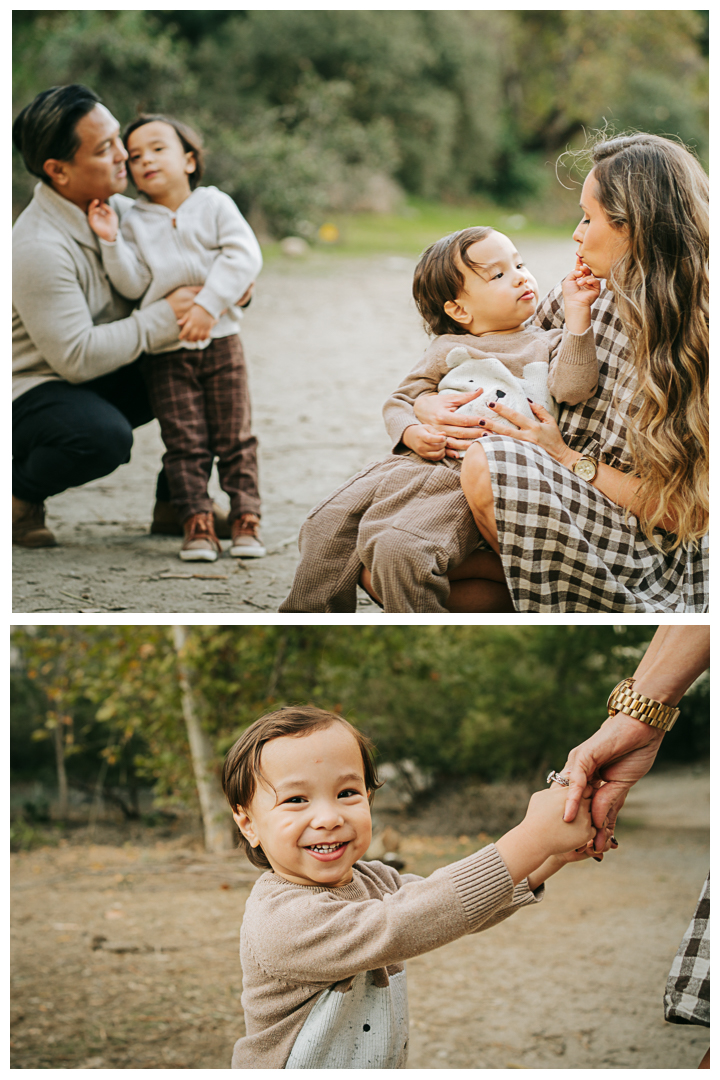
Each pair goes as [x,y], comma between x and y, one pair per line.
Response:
[68,321]
[572,373]
[323,969]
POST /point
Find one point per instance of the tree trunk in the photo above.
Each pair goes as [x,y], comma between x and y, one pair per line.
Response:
[61,774]
[219,836]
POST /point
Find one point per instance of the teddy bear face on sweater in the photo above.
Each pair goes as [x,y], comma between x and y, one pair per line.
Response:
[468,373]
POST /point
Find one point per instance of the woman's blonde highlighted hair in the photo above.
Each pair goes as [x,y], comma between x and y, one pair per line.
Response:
[657,191]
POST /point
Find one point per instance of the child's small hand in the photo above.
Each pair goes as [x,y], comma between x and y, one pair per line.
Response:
[581,286]
[589,851]
[196,325]
[103,220]
[246,297]
[543,818]
[424,441]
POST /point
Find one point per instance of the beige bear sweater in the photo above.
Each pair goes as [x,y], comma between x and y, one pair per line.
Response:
[323,969]
[572,360]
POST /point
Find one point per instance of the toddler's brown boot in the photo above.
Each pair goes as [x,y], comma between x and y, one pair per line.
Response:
[246,542]
[200,544]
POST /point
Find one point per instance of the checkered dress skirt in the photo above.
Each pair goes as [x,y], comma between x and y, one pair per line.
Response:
[564,545]
[687,994]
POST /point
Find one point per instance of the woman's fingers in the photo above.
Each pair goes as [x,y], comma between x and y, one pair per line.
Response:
[512,415]
[458,398]
[461,438]
[538,410]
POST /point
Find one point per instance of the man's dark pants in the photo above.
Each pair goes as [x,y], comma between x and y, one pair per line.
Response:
[65,434]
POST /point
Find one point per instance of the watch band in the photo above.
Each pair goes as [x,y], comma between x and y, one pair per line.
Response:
[624,699]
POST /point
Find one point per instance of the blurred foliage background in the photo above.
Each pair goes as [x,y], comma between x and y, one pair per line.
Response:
[306,114]
[484,702]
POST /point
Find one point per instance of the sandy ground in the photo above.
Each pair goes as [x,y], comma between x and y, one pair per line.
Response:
[126,957]
[327,340]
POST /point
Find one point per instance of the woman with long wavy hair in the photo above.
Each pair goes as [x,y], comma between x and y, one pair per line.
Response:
[607,510]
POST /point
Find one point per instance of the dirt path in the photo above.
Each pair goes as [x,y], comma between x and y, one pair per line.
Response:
[126,957]
[327,340]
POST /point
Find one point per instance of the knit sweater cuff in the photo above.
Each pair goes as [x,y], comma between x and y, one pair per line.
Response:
[483,884]
[579,349]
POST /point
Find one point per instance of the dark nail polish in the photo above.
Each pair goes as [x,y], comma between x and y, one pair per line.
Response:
[597,858]
[530,400]
[491,404]
[482,423]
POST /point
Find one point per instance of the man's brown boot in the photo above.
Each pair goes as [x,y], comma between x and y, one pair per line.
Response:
[165,521]
[28,525]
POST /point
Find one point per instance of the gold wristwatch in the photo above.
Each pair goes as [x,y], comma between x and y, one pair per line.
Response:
[586,468]
[625,700]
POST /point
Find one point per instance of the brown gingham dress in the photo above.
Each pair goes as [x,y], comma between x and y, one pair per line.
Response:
[564,546]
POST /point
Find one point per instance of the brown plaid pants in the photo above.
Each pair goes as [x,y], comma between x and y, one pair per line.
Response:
[202,400]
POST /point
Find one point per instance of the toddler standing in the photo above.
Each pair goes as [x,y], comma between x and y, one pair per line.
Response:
[325,935]
[180,234]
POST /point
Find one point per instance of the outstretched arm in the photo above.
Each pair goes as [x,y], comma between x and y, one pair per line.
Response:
[623,750]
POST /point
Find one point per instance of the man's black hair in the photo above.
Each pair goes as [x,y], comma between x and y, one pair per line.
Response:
[46,128]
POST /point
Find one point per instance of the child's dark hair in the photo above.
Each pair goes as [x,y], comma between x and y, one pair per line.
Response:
[241,769]
[191,141]
[438,278]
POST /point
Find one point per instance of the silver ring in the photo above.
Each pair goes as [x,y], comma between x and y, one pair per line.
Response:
[555,778]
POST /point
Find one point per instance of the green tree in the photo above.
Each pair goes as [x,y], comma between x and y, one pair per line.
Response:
[303,110]
[490,702]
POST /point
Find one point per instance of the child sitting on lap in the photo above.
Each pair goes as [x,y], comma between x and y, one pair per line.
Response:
[180,234]
[325,935]
[404,531]
[475,293]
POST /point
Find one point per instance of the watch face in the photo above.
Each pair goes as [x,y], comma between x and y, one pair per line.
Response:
[585,469]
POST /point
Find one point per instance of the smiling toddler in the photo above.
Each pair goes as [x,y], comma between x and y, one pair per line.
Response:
[325,935]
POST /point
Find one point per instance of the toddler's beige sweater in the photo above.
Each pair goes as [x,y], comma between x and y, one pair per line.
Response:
[572,360]
[323,969]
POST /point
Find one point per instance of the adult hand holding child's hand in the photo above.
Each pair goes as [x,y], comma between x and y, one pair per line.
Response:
[438,412]
[543,833]
[182,299]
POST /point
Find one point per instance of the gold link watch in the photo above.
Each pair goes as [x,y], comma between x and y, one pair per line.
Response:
[586,468]
[624,699]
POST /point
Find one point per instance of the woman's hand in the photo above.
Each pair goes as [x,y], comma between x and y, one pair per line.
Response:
[439,412]
[103,220]
[620,752]
[182,299]
[542,431]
